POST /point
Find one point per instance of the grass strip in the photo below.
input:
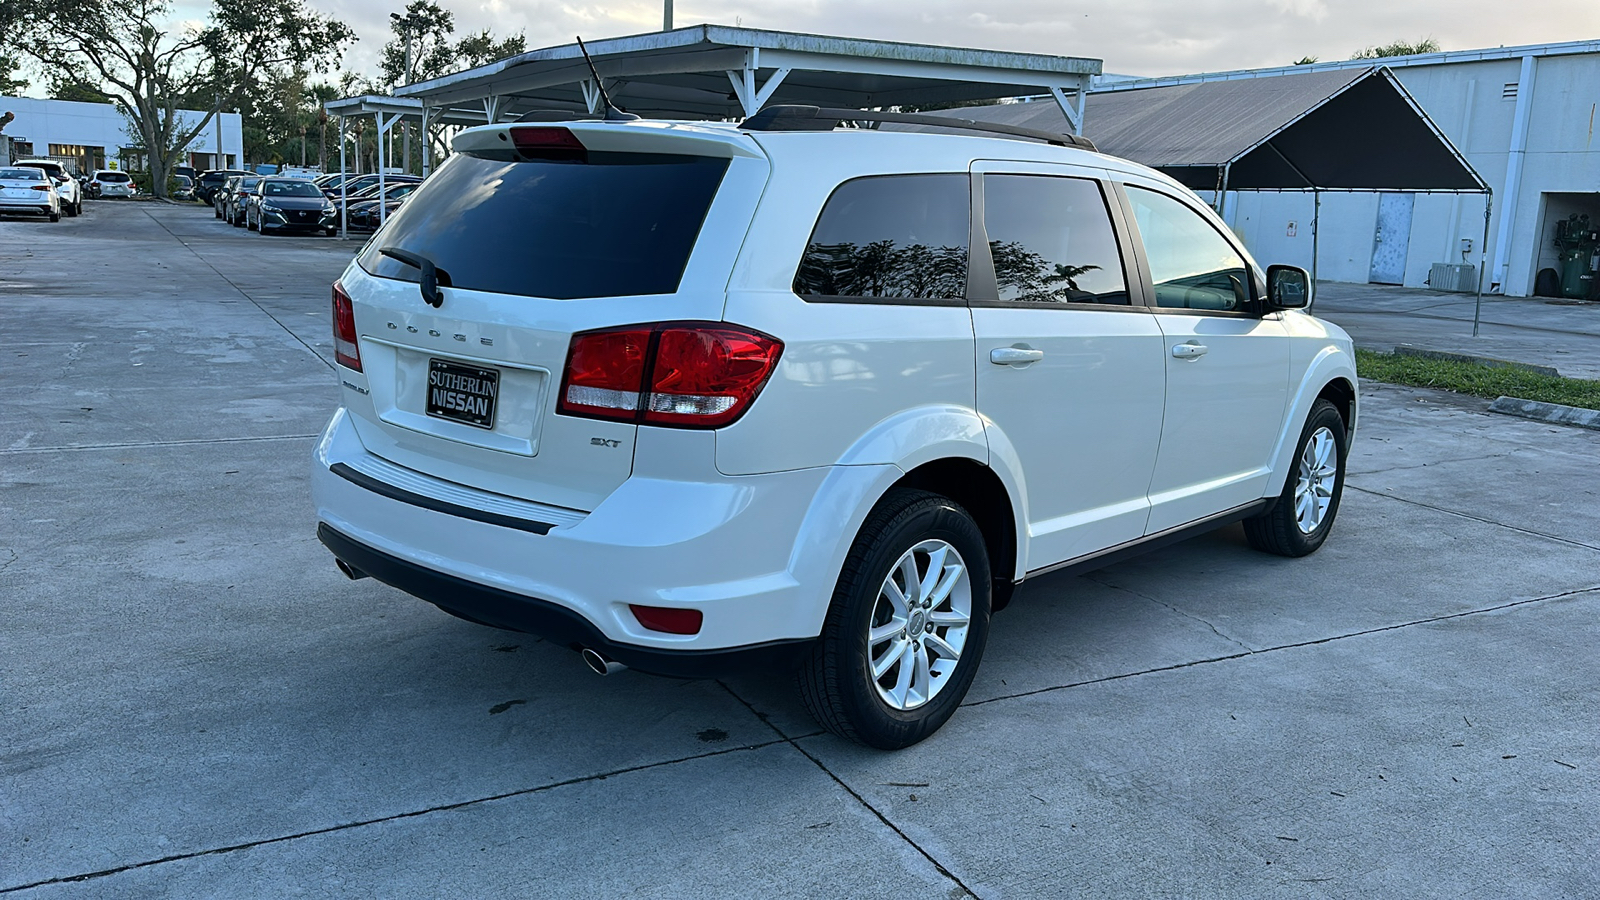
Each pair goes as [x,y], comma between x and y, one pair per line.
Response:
[1477,379]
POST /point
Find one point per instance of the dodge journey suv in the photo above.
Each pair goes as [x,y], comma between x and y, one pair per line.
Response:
[691,397]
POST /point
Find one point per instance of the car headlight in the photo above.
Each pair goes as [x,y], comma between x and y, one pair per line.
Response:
[269,207]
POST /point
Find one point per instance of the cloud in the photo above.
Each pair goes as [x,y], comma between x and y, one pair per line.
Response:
[1315,10]
[1148,37]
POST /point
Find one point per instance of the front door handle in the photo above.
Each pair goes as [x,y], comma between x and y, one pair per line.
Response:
[1189,350]
[1014,356]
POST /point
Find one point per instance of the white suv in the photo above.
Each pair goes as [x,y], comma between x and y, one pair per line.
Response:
[693,397]
[71,192]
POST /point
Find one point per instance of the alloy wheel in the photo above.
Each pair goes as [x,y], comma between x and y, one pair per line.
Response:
[1319,469]
[919,625]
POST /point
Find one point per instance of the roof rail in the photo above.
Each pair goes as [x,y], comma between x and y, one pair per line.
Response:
[815,118]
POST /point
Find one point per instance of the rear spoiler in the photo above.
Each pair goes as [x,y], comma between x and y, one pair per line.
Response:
[640,136]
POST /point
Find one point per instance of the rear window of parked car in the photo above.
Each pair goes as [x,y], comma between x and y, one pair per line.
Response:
[111,176]
[890,236]
[290,189]
[22,174]
[620,224]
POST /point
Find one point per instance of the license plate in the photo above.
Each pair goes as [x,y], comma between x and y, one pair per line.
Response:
[462,393]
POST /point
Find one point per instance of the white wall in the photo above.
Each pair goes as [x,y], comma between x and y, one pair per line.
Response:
[1466,101]
[46,122]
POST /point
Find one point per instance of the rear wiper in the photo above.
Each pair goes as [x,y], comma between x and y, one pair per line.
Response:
[432,276]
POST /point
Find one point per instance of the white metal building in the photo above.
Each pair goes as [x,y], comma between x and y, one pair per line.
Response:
[87,136]
[1524,117]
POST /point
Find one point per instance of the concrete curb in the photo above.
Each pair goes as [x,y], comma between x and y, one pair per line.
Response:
[1553,413]
[1408,350]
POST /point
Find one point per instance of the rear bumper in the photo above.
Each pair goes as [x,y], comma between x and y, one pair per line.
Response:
[758,556]
[551,621]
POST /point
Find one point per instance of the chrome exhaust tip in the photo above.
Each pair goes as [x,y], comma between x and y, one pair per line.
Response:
[350,572]
[599,664]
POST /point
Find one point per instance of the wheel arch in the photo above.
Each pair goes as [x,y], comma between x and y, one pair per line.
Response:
[1330,375]
[980,491]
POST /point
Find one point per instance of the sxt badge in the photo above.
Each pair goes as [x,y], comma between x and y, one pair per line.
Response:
[602,442]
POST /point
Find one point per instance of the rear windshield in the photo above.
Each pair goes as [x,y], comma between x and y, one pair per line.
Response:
[620,224]
[112,176]
[290,189]
[22,174]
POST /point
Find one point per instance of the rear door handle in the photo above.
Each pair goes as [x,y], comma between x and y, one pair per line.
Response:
[1014,356]
[1188,351]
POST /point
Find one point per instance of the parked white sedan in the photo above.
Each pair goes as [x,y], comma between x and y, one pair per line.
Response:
[28,190]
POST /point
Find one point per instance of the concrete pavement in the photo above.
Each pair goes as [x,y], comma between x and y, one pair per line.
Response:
[1537,330]
[194,703]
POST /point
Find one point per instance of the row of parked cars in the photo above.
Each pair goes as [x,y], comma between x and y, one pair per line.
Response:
[44,187]
[274,204]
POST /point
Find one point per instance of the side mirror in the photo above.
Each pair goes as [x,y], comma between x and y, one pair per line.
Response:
[1288,287]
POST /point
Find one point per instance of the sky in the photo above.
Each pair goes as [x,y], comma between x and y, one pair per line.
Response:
[1136,37]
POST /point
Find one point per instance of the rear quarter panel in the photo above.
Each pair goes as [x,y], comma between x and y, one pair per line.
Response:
[853,374]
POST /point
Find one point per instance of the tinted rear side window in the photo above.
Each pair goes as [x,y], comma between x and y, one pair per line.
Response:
[890,236]
[1051,240]
[620,224]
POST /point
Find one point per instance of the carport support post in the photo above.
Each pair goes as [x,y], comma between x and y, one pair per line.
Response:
[427,139]
[1483,259]
[381,130]
[1316,228]
[344,180]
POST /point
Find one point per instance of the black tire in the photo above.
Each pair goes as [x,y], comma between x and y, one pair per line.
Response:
[835,682]
[236,220]
[1278,531]
[54,216]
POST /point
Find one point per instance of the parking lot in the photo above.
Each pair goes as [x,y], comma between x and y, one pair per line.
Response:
[195,703]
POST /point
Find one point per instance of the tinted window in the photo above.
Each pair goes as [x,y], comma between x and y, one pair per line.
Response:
[618,225]
[1051,240]
[895,236]
[22,174]
[1191,265]
[290,189]
[111,176]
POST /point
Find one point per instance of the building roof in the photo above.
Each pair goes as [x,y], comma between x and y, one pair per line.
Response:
[1336,130]
[712,71]
[1445,57]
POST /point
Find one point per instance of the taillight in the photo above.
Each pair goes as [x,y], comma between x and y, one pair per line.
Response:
[345,349]
[605,373]
[700,375]
[41,187]
[667,619]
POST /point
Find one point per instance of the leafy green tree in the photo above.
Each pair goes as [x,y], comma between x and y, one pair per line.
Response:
[481,49]
[150,66]
[10,84]
[432,54]
[1398,48]
[64,88]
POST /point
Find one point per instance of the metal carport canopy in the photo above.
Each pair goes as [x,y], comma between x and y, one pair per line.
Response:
[716,72]
[1341,130]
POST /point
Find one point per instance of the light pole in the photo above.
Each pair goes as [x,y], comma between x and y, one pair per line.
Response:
[407,25]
